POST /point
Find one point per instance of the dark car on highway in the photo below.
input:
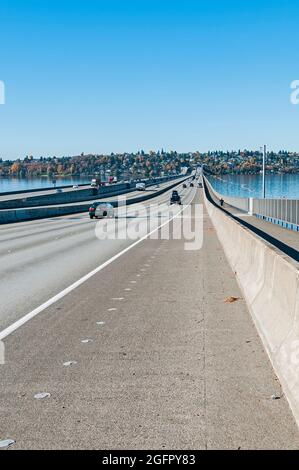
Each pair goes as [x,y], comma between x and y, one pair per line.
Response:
[175,198]
[184,185]
[92,209]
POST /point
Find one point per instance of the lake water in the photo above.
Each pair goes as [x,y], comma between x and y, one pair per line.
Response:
[16,184]
[277,185]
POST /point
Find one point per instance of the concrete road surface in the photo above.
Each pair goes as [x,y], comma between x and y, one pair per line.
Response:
[40,258]
[168,364]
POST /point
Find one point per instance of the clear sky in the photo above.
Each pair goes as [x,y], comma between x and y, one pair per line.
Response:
[122,75]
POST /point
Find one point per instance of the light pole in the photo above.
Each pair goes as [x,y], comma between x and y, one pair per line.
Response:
[264,171]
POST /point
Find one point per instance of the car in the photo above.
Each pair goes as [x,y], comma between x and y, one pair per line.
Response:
[104,210]
[75,186]
[92,209]
[140,186]
[184,185]
[199,184]
[58,190]
[175,198]
[191,185]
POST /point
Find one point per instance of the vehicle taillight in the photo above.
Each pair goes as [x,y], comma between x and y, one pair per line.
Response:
[91,209]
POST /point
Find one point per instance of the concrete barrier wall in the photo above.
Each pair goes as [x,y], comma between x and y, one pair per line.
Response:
[238,202]
[21,215]
[270,284]
[61,198]
[78,195]
[34,190]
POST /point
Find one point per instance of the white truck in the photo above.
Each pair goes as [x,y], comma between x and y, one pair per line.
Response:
[95,183]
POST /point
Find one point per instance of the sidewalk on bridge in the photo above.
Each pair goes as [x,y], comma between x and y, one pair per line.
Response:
[173,366]
[289,237]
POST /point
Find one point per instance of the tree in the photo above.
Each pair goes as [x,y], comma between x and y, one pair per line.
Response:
[15,168]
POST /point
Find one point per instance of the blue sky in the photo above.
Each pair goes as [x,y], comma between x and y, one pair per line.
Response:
[123,75]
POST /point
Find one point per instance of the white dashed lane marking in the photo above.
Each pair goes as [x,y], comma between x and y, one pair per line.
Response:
[17,324]
[42,395]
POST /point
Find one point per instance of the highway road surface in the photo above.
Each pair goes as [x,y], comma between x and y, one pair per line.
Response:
[40,258]
[145,354]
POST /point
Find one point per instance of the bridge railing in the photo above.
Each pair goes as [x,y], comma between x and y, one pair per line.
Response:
[283,212]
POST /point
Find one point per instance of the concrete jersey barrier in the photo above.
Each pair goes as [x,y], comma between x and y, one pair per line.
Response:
[20,215]
[241,203]
[270,284]
[79,195]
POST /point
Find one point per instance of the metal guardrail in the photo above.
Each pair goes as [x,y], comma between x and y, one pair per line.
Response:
[284,212]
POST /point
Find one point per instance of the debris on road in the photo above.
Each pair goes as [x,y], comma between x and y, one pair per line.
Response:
[42,395]
[231,299]
[69,363]
[6,443]
[275,397]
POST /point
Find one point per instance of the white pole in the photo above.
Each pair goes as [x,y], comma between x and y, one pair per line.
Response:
[264,170]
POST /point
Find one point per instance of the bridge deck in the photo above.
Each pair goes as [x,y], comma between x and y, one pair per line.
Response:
[284,239]
[289,237]
[174,366]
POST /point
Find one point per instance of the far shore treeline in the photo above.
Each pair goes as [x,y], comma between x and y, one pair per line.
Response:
[151,164]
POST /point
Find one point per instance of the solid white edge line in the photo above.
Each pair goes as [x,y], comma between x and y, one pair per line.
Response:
[14,326]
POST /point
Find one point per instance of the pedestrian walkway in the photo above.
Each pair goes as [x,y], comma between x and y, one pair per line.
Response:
[286,236]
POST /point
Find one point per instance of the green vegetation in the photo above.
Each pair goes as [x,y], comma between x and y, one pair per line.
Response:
[144,165]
